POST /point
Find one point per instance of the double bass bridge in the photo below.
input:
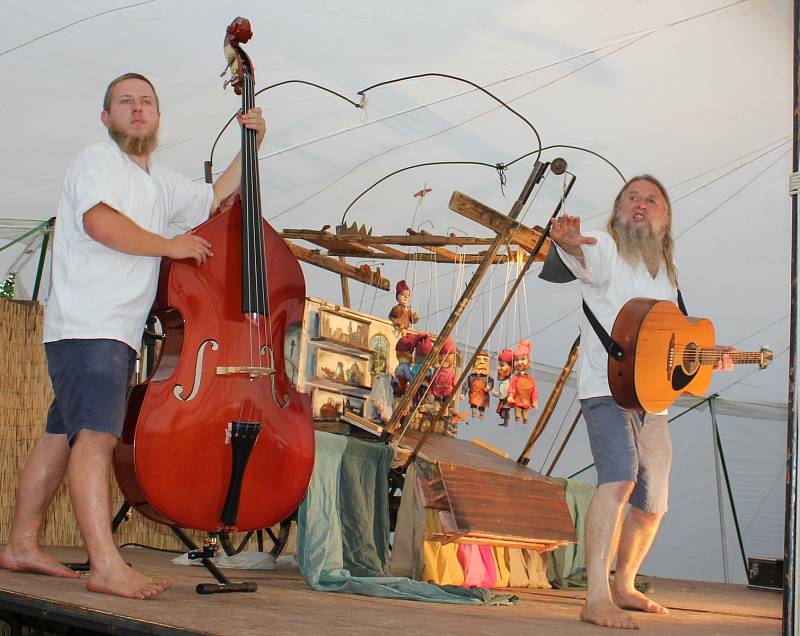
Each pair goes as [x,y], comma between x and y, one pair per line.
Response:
[251,372]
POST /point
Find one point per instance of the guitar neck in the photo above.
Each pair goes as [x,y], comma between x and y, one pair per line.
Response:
[713,355]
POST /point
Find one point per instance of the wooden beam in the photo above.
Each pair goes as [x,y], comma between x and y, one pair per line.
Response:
[391,250]
[345,285]
[429,258]
[362,274]
[362,242]
[522,235]
[326,239]
[428,239]
[441,251]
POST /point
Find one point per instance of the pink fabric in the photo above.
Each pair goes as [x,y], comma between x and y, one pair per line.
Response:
[490,564]
[478,564]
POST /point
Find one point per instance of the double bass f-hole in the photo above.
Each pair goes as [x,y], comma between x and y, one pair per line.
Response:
[286,400]
[177,390]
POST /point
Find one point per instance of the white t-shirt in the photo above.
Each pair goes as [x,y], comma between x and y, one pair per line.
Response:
[98,292]
[607,283]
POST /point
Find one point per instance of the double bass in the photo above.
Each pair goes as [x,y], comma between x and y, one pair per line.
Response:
[217,438]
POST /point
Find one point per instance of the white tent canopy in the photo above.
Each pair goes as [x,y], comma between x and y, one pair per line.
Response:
[697,93]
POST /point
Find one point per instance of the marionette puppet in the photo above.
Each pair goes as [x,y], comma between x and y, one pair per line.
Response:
[404,350]
[422,347]
[443,382]
[522,391]
[401,314]
[478,385]
[505,360]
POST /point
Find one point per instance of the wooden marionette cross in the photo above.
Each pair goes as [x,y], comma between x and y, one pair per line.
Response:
[522,235]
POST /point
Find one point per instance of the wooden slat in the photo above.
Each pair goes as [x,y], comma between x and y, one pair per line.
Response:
[441,449]
[333,265]
[523,235]
[496,504]
[436,249]
[326,239]
[472,259]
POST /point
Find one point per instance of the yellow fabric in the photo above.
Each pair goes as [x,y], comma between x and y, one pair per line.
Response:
[501,566]
[440,561]
[537,570]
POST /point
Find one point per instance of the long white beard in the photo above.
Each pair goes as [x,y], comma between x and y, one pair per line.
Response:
[640,244]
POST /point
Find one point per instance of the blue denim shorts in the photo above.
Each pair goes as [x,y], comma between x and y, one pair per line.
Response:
[630,446]
[90,381]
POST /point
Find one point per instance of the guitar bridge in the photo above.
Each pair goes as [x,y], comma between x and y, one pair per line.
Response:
[671,357]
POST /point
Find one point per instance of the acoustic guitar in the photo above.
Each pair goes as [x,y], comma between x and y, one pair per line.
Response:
[665,354]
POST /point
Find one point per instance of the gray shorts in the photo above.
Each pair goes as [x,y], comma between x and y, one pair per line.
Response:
[630,446]
[90,381]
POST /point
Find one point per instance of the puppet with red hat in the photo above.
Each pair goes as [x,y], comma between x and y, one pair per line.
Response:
[404,350]
[401,314]
[422,347]
[522,391]
[505,359]
[444,379]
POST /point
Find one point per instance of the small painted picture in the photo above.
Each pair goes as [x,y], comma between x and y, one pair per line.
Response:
[379,362]
[342,368]
[344,329]
[327,405]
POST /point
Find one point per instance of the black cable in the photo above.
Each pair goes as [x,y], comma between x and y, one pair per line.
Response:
[474,85]
[500,167]
[266,88]
[497,167]
[151,547]
[591,152]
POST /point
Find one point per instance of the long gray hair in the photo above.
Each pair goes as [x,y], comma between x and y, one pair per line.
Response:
[667,245]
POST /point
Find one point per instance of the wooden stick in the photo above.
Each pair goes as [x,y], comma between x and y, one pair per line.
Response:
[367,277]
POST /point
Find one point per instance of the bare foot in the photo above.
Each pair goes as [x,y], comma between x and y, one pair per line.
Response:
[606,614]
[125,581]
[635,600]
[33,560]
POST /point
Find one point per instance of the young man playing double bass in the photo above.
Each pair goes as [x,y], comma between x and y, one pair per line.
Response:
[632,450]
[114,216]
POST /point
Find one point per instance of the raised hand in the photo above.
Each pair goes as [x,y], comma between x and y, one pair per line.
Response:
[566,231]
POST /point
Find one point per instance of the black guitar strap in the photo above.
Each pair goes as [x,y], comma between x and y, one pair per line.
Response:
[611,346]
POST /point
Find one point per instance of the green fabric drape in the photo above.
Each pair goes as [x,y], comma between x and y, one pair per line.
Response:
[566,568]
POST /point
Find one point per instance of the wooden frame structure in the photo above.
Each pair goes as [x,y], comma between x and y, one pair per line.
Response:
[332,249]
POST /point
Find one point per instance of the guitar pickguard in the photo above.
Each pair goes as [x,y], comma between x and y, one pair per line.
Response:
[680,380]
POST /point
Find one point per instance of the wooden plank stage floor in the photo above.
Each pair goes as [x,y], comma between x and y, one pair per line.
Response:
[284,604]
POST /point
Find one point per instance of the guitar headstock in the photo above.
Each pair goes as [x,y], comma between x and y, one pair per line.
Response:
[237,33]
[764,357]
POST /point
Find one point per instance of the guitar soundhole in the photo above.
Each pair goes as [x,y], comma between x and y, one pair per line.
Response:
[691,358]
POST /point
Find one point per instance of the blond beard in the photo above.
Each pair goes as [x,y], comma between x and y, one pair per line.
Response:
[639,244]
[133,145]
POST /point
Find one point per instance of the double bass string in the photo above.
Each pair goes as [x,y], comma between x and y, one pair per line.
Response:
[255,241]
